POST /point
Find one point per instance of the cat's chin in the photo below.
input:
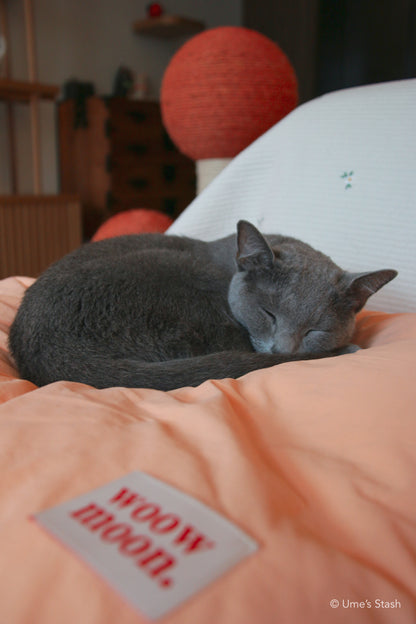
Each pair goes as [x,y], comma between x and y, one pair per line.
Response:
[268,347]
[261,346]
[349,348]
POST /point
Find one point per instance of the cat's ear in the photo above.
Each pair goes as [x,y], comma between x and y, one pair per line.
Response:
[362,285]
[253,250]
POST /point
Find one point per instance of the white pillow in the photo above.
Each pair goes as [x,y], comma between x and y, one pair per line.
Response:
[291,181]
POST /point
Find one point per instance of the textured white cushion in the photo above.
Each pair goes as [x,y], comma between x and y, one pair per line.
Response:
[290,181]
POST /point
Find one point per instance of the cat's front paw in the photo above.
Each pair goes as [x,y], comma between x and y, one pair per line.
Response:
[350,348]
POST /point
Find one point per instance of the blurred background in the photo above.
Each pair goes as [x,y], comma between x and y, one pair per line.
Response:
[86,47]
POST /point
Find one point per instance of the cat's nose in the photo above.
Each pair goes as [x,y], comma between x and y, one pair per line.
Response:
[286,344]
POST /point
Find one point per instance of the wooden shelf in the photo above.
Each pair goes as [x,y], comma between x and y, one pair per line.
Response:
[21,91]
[167,26]
[33,200]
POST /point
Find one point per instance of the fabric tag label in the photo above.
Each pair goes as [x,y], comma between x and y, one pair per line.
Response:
[154,544]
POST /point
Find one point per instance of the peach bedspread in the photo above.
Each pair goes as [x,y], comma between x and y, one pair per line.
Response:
[315,460]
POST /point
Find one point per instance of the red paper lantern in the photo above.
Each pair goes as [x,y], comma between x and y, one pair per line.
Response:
[135,221]
[223,89]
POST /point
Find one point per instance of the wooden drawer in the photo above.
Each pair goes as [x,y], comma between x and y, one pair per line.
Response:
[134,151]
[134,121]
[161,176]
[169,203]
[136,111]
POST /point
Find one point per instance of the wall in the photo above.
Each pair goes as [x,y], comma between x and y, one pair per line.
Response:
[89,40]
[359,45]
[335,44]
[294,27]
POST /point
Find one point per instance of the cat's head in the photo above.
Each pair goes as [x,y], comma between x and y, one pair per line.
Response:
[294,299]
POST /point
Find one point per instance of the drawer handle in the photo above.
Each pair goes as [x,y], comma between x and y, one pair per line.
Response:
[169,173]
[167,142]
[108,128]
[170,205]
[138,183]
[137,148]
[137,116]
[109,200]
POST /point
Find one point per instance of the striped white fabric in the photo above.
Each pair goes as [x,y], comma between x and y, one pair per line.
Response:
[339,173]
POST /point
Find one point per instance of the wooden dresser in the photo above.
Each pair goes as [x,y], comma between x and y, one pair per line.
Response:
[115,154]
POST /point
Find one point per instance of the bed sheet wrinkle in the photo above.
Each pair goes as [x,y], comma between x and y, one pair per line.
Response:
[198,440]
[137,403]
[120,406]
[396,511]
[261,452]
[12,387]
[374,328]
[352,522]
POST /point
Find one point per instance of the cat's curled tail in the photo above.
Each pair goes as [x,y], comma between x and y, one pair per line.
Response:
[106,372]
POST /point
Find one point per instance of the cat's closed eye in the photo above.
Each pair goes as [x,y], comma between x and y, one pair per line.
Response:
[269,314]
[316,339]
[315,332]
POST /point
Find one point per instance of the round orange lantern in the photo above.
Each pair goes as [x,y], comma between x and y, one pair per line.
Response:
[133,221]
[223,89]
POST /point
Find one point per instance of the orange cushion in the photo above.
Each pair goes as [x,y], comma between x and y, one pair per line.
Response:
[315,460]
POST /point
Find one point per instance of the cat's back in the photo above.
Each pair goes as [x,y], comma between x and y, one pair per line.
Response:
[149,294]
[134,269]
[114,261]
[123,248]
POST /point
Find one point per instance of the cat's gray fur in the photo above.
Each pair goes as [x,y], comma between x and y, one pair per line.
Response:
[163,312]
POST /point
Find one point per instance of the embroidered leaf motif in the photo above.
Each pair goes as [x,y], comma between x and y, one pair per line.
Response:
[347,177]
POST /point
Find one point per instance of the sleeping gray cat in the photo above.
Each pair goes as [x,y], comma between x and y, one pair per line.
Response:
[162,312]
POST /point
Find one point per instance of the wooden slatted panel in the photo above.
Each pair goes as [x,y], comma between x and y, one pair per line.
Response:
[35,231]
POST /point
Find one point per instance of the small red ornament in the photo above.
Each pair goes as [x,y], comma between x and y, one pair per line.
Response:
[154,9]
